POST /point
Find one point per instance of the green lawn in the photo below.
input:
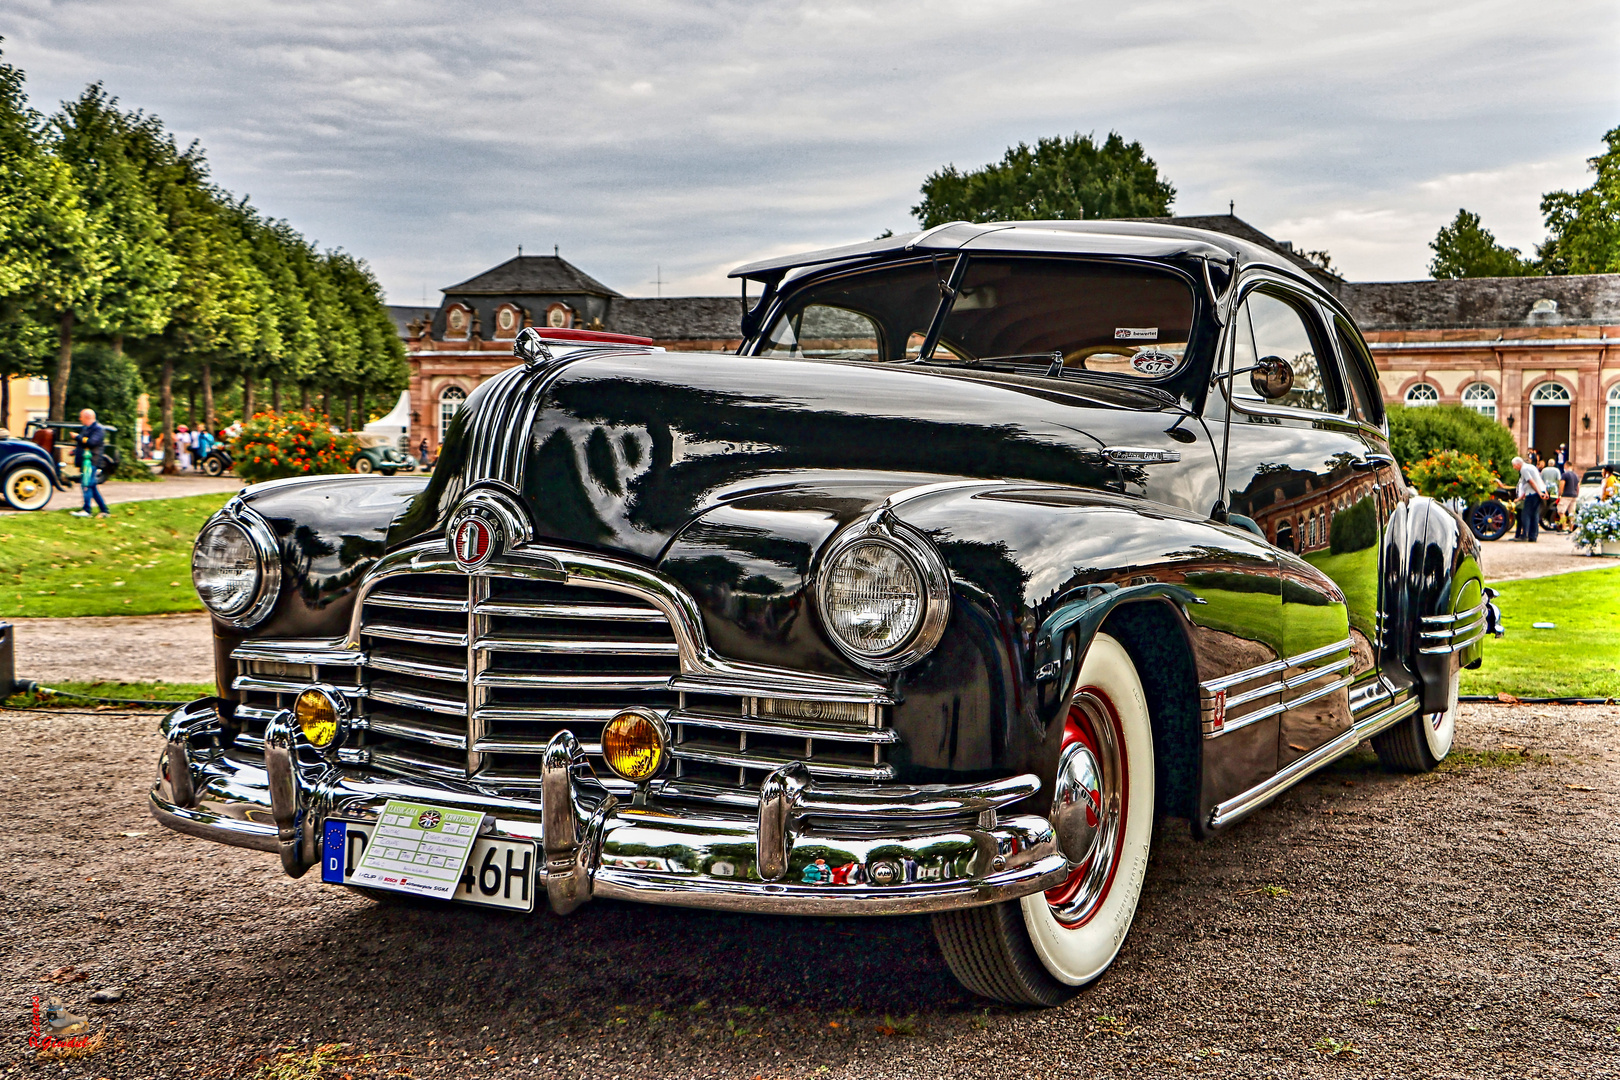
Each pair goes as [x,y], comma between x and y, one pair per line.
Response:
[147,691]
[1579,658]
[137,562]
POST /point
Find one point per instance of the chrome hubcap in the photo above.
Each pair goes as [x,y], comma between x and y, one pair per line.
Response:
[1088,806]
[1077,803]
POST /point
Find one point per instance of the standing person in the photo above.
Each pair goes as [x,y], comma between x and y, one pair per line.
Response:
[1563,456]
[182,448]
[1531,489]
[89,447]
[1552,478]
[1611,484]
[422,453]
[1567,493]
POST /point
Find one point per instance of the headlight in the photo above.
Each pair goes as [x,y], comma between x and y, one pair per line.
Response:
[225,569]
[235,566]
[884,595]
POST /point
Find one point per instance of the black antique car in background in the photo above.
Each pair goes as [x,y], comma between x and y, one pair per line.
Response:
[991,544]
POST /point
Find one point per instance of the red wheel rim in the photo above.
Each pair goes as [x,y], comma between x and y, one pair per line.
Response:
[1093,722]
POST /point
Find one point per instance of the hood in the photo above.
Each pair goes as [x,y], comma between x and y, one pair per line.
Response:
[622,450]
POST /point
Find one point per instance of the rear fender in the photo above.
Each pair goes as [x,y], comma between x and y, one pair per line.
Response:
[1446,587]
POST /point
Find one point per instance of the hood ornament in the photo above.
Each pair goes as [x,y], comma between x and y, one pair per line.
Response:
[530,348]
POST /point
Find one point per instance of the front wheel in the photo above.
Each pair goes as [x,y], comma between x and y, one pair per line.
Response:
[1040,950]
[1489,520]
[361,464]
[27,487]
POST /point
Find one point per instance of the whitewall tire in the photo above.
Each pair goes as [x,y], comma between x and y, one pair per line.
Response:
[27,487]
[1041,949]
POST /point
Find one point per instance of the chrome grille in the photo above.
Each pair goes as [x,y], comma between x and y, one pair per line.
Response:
[471,676]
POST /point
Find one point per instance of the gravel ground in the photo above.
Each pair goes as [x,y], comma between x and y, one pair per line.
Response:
[1463,923]
[122,491]
[147,648]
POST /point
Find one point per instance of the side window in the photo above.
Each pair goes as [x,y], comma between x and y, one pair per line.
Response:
[825,332]
[1267,325]
[1363,375]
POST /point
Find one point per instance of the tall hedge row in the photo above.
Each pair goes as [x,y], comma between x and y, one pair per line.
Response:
[1420,431]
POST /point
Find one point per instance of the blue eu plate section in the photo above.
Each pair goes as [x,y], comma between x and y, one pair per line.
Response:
[333,848]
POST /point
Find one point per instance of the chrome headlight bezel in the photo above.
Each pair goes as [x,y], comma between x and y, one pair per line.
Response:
[923,558]
[262,539]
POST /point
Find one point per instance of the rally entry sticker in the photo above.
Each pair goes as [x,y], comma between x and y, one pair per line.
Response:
[418,849]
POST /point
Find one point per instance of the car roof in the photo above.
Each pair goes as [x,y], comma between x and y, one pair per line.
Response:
[1135,239]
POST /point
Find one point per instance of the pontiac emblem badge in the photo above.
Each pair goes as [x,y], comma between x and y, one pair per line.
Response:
[474,543]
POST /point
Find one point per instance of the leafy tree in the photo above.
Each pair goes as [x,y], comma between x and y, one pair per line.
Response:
[1058,179]
[1585,226]
[379,358]
[48,261]
[1466,249]
[107,380]
[133,294]
[1418,432]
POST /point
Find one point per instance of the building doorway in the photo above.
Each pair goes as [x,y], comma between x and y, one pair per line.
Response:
[1549,420]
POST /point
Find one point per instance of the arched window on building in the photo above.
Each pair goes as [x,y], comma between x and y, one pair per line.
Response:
[1422,394]
[1481,397]
[1612,425]
[450,401]
[1550,393]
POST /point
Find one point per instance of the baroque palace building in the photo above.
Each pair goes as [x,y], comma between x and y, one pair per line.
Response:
[1536,354]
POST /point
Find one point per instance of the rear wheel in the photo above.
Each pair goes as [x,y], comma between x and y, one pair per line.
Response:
[1489,520]
[27,487]
[1040,950]
[213,466]
[1421,741]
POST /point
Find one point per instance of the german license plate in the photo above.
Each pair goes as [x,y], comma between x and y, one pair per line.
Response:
[499,872]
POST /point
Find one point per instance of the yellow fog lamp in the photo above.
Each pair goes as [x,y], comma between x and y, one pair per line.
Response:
[320,712]
[634,744]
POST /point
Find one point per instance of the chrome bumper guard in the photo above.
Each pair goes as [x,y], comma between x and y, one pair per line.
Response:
[1444,634]
[798,847]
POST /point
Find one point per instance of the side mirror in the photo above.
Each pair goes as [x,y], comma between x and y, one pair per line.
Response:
[530,349]
[1272,377]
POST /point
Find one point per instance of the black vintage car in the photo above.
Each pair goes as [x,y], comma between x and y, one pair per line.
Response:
[990,545]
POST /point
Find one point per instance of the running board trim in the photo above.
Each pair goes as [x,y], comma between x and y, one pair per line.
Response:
[1240,806]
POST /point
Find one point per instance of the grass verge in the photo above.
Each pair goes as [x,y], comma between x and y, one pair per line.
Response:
[1579,657]
[70,698]
[136,562]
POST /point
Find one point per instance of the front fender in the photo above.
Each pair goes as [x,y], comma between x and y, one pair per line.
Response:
[329,531]
[1037,572]
[16,451]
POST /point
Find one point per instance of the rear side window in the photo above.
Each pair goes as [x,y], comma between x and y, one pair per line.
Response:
[1363,375]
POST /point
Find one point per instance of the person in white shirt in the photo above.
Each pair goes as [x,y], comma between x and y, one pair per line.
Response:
[1531,491]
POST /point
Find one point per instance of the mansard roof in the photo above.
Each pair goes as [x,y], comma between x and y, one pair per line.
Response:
[531,275]
[677,318]
[1572,300]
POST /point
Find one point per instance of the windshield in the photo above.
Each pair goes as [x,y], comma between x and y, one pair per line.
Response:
[1042,316]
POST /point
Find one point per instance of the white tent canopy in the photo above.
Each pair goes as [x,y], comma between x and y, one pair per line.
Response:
[397,424]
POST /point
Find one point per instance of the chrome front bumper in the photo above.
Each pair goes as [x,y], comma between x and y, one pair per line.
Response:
[882,850]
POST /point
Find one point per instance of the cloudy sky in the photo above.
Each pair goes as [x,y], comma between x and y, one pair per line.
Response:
[433,137]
